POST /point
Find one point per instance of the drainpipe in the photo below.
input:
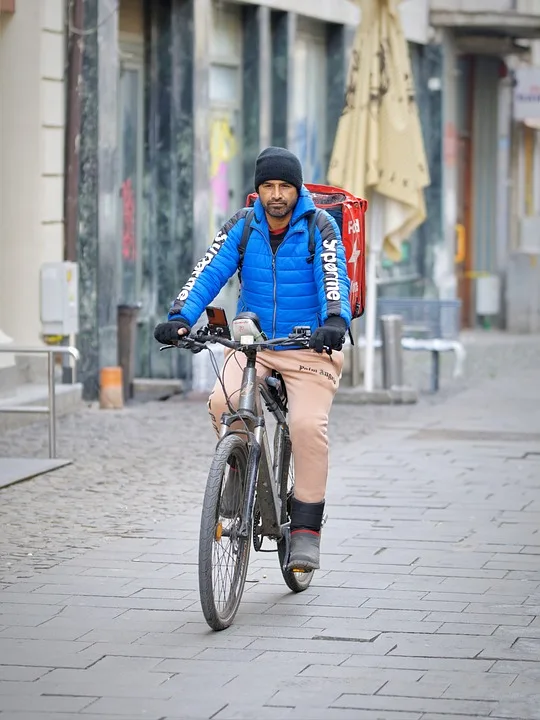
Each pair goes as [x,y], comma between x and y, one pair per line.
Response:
[75,19]
[74,51]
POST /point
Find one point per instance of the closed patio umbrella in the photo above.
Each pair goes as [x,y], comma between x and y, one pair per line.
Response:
[379,151]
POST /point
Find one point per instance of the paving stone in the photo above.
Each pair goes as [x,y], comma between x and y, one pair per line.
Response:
[473,597]
[42,632]
[483,618]
[327,644]
[235,711]
[40,715]
[419,663]
[41,703]
[341,626]
[344,714]
[202,706]
[422,689]
[18,673]
[474,579]
[420,605]
[428,600]
[500,609]
[423,705]
[465,629]
[308,658]
[525,708]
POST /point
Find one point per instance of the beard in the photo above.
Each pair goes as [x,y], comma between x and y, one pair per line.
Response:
[279,210]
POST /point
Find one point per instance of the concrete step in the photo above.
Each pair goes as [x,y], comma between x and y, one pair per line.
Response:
[68,399]
[378,396]
[146,389]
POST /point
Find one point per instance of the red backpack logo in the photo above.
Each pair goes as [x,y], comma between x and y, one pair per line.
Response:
[349,213]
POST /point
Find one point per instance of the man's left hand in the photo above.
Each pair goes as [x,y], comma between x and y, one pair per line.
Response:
[331,335]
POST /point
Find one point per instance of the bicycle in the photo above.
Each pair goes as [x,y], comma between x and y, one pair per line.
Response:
[249,489]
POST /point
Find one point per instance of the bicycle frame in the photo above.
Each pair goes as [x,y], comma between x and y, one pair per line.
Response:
[263,475]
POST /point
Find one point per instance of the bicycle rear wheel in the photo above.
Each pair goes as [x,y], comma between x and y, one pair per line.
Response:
[295,581]
[223,553]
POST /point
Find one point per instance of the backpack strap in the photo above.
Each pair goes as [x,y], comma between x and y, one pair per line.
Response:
[312,224]
[245,237]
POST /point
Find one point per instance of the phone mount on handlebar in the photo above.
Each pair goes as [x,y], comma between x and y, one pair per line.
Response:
[301,331]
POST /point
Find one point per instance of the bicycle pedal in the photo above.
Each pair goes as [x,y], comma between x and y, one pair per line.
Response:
[299,570]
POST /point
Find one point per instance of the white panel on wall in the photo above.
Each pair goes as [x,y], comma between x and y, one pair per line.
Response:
[415,19]
[309,109]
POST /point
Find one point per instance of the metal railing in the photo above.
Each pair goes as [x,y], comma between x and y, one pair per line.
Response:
[49,409]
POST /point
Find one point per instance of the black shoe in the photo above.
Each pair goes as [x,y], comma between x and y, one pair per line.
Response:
[230,497]
[305,550]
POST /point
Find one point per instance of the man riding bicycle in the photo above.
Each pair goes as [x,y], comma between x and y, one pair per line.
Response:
[285,287]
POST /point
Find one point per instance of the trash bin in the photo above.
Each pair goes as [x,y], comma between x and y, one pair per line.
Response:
[392,353]
[127,343]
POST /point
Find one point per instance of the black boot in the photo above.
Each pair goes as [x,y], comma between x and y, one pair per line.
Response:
[306,521]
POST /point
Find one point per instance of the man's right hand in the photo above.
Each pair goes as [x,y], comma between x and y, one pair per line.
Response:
[169,333]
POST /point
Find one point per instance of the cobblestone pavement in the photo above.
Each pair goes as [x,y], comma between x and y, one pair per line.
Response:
[427,605]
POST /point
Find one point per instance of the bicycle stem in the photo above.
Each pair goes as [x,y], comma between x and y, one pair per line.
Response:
[249,380]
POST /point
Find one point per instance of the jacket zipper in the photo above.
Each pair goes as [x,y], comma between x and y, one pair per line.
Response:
[274,278]
[275,295]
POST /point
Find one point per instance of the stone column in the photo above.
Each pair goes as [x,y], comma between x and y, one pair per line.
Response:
[202,20]
[176,167]
[292,27]
[335,82]
[257,88]
[280,77]
[98,243]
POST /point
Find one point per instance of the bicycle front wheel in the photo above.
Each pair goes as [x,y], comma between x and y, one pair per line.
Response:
[223,553]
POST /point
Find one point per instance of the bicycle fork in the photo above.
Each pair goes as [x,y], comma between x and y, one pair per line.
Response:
[254,457]
[260,482]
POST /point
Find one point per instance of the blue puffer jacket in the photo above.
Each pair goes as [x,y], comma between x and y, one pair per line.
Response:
[286,289]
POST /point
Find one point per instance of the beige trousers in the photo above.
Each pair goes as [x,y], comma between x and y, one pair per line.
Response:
[312,381]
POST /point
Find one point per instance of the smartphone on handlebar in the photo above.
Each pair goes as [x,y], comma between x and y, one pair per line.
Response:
[217,320]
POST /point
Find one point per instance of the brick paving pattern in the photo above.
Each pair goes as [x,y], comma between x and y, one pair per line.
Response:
[427,605]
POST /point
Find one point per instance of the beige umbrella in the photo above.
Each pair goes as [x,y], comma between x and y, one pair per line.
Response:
[379,150]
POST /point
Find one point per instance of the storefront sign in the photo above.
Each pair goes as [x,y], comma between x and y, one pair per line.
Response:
[527,93]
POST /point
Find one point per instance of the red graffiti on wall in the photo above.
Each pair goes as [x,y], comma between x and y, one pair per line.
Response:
[129,245]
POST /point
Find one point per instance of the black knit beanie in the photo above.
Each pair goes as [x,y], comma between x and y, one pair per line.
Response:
[276,163]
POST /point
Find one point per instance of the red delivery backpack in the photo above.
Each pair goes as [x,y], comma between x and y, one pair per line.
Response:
[349,213]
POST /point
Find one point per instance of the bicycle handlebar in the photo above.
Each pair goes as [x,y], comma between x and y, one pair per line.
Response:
[189,342]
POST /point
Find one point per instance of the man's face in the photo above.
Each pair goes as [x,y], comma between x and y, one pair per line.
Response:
[278,198]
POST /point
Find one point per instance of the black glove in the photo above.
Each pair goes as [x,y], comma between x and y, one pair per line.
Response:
[167,333]
[330,335]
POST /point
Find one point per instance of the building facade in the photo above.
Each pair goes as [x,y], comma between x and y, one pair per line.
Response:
[490,162]
[177,99]
[126,142]
[32,126]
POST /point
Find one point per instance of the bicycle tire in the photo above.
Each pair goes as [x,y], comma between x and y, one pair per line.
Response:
[295,581]
[220,613]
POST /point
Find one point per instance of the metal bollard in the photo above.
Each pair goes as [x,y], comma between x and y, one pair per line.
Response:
[127,347]
[392,353]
